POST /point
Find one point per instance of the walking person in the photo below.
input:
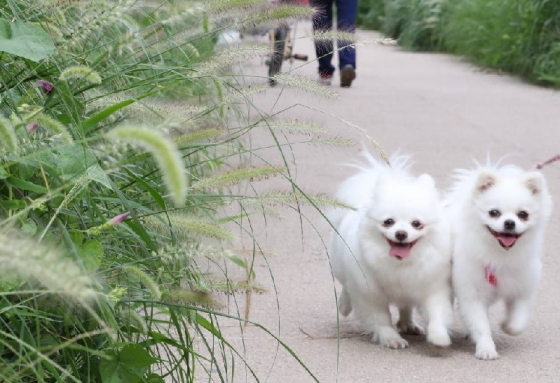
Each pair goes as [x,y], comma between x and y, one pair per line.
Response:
[324,48]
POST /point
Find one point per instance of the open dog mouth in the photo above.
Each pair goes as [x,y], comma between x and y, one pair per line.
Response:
[506,240]
[400,250]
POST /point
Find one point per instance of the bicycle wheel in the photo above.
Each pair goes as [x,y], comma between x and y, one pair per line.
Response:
[277,56]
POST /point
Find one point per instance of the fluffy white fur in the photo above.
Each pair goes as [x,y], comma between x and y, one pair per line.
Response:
[375,274]
[498,216]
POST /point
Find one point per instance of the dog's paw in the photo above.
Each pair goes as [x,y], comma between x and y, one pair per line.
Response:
[512,329]
[486,352]
[390,340]
[396,343]
[344,304]
[439,337]
[410,327]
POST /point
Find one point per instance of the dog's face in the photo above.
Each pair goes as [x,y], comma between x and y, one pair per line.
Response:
[509,206]
[403,211]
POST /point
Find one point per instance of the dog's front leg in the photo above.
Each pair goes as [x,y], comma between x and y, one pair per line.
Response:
[440,314]
[475,315]
[517,315]
[376,317]
[407,324]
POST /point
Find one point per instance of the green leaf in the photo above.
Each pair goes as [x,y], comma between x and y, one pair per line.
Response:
[126,366]
[168,157]
[141,232]
[29,186]
[3,173]
[71,163]
[91,122]
[154,378]
[91,254]
[73,104]
[77,237]
[208,326]
[238,261]
[73,160]
[14,204]
[25,40]
[155,195]
[95,173]
[109,369]
[28,228]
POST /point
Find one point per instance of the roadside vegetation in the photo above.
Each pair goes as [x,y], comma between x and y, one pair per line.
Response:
[517,36]
[122,153]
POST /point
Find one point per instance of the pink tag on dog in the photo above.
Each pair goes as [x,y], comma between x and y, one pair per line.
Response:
[490,275]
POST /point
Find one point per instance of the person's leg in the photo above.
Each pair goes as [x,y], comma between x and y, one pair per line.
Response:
[346,22]
[322,22]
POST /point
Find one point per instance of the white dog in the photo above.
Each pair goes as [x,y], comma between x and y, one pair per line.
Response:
[499,216]
[393,249]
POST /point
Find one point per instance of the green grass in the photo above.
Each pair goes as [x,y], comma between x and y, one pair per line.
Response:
[371,14]
[117,127]
[518,36]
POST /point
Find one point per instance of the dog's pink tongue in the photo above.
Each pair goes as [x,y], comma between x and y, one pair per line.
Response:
[507,241]
[400,251]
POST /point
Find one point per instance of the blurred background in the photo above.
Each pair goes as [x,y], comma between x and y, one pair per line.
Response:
[517,36]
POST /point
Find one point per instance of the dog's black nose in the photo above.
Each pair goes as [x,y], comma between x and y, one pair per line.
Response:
[509,224]
[401,235]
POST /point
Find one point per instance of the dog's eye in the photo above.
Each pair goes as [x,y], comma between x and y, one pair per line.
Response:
[494,213]
[388,222]
[523,215]
[417,224]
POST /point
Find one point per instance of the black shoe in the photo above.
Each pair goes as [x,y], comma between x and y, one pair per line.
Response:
[347,75]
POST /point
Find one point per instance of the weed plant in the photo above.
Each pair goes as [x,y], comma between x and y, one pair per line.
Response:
[371,14]
[518,36]
[116,131]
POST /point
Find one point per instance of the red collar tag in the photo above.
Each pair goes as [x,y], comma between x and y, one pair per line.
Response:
[490,273]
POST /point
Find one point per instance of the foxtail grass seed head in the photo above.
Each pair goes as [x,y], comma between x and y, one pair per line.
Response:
[284,12]
[144,279]
[225,5]
[187,227]
[81,73]
[307,84]
[134,319]
[295,127]
[198,136]
[46,86]
[165,153]
[329,36]
[333,141]
[55,127]
[294,199]
[234,55]
[194,298]
[236,176]
[47,266]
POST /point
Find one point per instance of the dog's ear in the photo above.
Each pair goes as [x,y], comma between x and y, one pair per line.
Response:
[427,180]
[485,181]
[534,181]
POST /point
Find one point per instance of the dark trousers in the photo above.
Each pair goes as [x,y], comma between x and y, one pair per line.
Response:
[346,22]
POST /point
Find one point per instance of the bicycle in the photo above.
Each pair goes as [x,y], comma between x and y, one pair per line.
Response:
[282,45]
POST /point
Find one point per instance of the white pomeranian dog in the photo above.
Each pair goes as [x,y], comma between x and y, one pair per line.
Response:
[394,249]
[498,216]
